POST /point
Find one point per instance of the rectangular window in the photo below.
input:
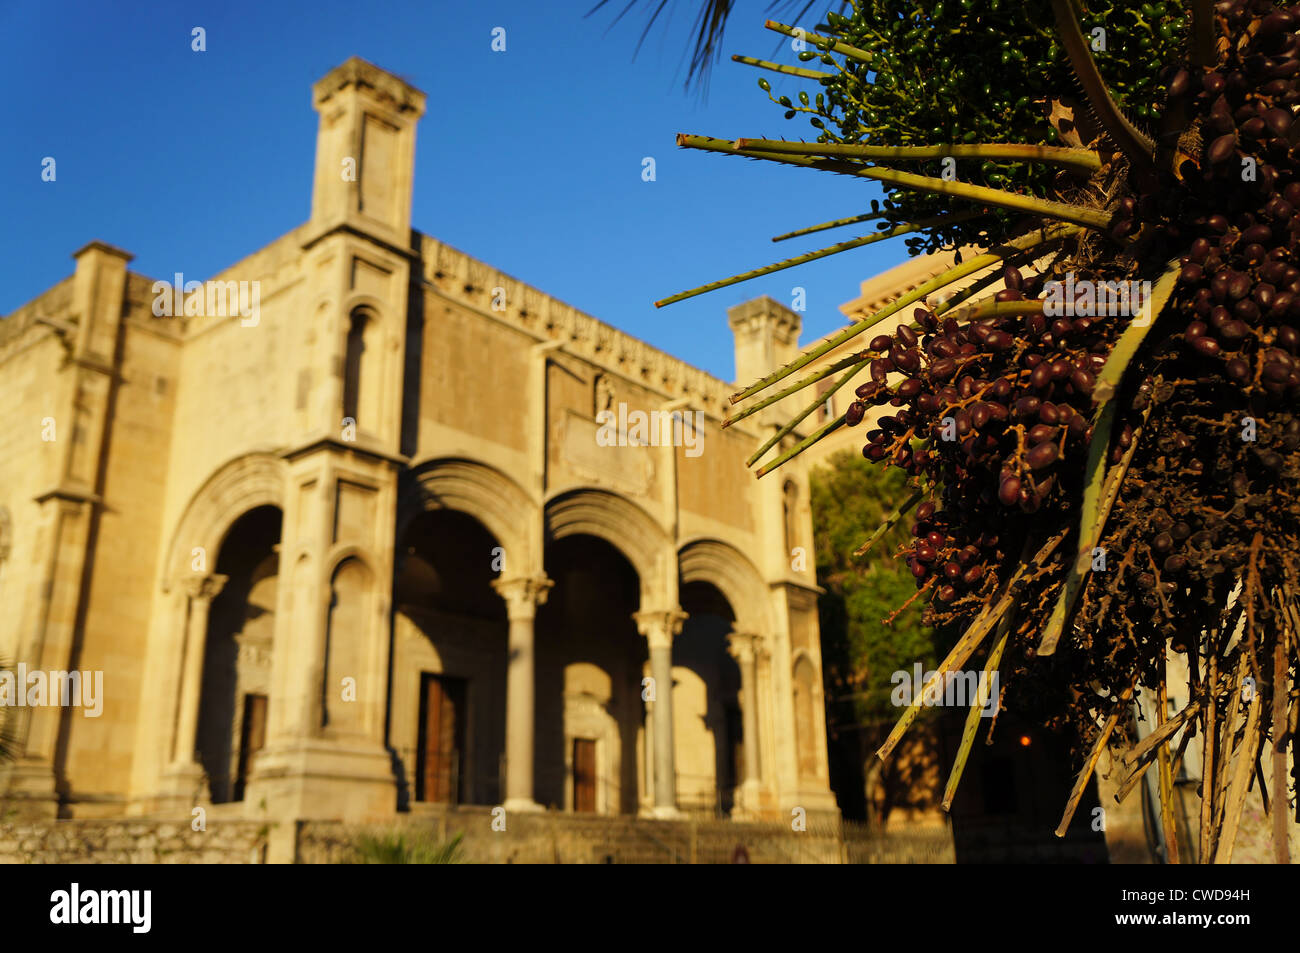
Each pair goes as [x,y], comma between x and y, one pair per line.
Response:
[827,410]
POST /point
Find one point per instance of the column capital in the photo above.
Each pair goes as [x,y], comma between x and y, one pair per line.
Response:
[743,646]
[204,587]
[523,594]
[659,625]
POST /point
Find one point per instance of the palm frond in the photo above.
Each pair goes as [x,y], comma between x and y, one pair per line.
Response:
[710,26]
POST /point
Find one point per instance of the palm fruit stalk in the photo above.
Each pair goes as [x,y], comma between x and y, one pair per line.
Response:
[1124,479]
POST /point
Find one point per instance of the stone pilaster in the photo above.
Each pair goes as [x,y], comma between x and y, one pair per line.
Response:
[68,511]
[325,755]
[743,647]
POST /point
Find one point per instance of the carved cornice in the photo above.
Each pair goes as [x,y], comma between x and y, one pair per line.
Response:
[457,276]
[96,245]
[386,88]
[764,312]
[884,288]
[363,446]
[314,233]
[43,313]
[799,594]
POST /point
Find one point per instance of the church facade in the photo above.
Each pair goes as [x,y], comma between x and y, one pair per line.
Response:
[362,526]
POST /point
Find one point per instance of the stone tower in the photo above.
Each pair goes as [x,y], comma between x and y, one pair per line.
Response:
[341,496]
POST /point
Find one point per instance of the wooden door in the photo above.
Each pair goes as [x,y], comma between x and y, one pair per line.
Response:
[252,738]
[442,739]
[584,775]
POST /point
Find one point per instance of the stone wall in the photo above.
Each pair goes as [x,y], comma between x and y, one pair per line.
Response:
[574,839]
[536,839]
[131,841]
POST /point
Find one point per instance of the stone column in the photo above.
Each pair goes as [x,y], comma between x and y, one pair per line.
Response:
[648,750]
[659,627]
[523,594]
[201,590]
[743,647]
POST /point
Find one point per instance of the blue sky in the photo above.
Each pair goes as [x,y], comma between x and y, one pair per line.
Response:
[529,159]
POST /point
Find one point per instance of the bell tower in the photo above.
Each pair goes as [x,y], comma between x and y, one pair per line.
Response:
[365,151]
[325,732]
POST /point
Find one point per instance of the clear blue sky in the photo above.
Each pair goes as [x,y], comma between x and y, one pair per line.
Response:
[529,159]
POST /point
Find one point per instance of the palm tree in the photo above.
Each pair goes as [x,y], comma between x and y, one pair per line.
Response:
[1091,498]
[710,24]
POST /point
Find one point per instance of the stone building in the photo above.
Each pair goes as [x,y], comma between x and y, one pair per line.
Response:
[363,525]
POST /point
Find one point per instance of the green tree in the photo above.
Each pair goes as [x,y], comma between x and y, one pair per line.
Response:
[865,640]
[860,650]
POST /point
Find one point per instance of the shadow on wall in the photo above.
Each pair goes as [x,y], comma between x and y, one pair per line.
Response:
[585,624]
[237,658]
[711,761]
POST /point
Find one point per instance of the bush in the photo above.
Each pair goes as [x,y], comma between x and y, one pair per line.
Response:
[405,847]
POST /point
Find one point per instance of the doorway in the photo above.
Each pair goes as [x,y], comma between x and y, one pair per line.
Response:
[440,775]
[584,775]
